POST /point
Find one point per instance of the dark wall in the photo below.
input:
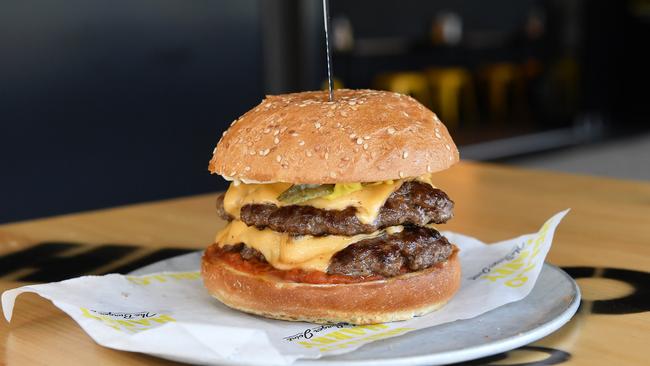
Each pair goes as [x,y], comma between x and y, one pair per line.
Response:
[411,18]
[110,102]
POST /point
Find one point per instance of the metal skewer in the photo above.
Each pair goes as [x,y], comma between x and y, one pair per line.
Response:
[330,71]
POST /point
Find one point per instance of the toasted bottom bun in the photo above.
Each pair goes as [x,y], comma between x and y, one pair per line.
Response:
[392,299]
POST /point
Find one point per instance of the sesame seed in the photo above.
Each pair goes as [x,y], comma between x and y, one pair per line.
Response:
[276,140]
[345,158]
[276,132]
[252,152]
[214,151]
[344,113]
[267,130]
[438,135]
[365,146]
[353,136]
[309,153]
[359,141]
[332,174]
[391,130]
[366,137]
[295,134]
[233,122]
[317,125]
[248,169]
[301,143]
[278,158]
[401,174]
[352,102]
[429,168]
[447,147]
[224,133]
[327,155]
[451,157]
[405,154]
[405,114]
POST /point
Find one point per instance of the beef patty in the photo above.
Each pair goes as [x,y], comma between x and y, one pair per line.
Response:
[412,249]
[414,203]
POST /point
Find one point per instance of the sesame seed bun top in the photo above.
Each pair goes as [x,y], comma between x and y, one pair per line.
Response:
[363,136]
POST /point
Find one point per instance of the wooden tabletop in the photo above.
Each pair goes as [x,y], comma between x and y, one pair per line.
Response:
[604,243]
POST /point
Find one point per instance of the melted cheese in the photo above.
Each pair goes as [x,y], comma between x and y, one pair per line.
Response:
[284,251]
[368,201]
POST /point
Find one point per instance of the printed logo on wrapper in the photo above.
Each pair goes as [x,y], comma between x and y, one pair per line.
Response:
[345,336]
[512,269]
[164,277]
[128,322]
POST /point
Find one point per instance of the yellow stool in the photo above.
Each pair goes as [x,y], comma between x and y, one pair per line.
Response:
[409,83]
[452,89]
[499,79]
[565,75]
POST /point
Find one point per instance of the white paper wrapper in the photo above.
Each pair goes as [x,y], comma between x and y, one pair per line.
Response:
[169,314]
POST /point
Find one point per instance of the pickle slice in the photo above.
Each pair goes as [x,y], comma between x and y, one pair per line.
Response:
[298,193]
[343,189]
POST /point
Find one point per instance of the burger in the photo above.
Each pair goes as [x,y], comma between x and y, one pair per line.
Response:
[332,208]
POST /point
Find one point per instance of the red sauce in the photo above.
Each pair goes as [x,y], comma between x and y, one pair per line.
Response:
[257,267]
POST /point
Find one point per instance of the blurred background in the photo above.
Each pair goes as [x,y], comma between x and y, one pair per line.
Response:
[104,103]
